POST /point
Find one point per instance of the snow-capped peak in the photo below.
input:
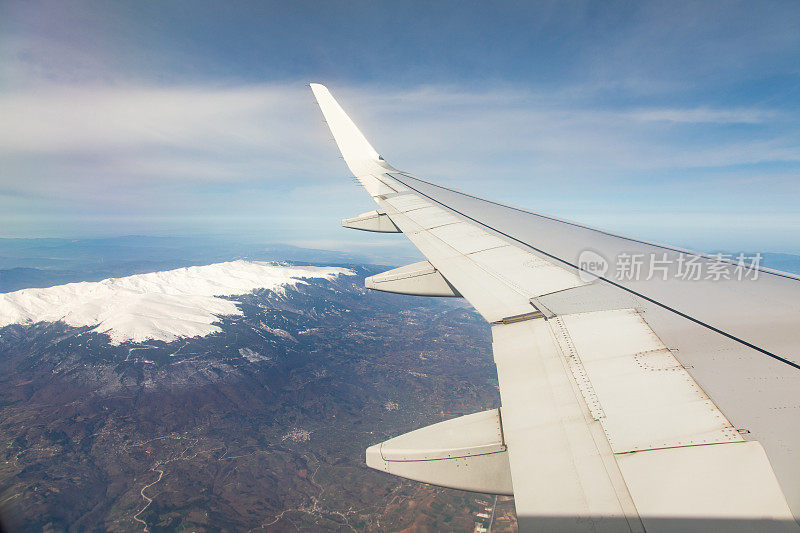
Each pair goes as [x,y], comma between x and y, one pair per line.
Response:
[159,305]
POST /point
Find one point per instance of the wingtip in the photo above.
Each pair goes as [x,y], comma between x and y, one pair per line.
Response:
[359,154]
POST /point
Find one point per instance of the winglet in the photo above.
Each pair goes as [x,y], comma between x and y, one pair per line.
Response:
[358,153]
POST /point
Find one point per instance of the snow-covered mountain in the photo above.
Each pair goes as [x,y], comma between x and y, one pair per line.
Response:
[156,306]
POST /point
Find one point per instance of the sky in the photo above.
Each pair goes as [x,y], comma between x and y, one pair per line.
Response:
[675,122]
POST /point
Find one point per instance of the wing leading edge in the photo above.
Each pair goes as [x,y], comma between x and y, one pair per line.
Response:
[626,405]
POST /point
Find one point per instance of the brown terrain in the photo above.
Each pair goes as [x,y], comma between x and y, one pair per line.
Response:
[260,427]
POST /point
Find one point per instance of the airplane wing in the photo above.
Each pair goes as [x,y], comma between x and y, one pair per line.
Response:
[643,387]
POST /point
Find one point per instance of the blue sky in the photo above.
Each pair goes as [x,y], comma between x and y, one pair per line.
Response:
[671,121]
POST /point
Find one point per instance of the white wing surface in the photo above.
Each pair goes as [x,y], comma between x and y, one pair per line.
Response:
[646,400]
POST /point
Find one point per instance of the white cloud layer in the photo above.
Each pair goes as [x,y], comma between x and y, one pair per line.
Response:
[262,152]
[264,133]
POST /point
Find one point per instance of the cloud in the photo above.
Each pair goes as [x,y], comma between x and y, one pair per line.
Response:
[147,146]
[262,153]
[705,115]
[89,119]
[155,146]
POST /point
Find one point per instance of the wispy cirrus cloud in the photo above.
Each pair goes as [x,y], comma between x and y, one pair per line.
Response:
[247,149]
[703,115]
[267,132]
